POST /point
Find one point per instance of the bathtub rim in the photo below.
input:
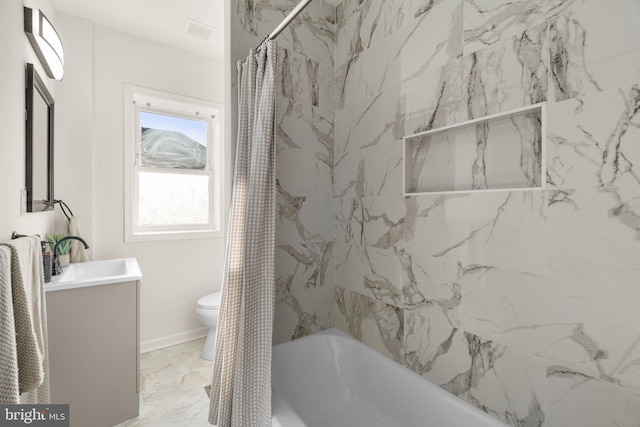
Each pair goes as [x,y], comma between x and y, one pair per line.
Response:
[334,334]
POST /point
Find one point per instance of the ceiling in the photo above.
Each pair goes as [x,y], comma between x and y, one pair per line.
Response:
[163,21]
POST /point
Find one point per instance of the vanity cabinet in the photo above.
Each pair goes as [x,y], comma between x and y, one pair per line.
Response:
[94,352]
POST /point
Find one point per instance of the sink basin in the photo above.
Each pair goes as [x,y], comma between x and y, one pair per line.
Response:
[95,273]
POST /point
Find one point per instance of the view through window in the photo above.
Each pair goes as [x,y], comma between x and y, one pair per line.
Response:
[175,182]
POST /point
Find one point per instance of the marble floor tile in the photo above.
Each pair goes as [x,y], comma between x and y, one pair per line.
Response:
[172,387]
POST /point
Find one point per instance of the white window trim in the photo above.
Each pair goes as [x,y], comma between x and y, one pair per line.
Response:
[136,99]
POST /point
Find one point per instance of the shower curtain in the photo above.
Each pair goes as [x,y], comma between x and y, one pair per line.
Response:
[241,387]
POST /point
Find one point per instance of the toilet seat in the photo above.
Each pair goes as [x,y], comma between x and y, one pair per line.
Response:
[211,301]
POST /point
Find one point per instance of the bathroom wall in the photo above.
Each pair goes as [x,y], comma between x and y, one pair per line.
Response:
[305,230]
[74,125]
[16,51]
[177,272]
[523,303]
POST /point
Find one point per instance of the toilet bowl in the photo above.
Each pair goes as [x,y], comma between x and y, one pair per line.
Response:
[207,311]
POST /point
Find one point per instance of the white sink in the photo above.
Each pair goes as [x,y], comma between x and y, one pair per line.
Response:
[93,273]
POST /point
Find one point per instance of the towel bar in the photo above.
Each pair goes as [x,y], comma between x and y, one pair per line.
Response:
[15,235]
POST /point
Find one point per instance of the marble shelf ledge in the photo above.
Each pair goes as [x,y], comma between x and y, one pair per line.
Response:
[500,152]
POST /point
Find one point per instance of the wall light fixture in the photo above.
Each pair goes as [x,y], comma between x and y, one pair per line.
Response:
[45,42]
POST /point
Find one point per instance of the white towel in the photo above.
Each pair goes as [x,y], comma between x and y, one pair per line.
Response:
[9,391]
[30,319]
[78,252]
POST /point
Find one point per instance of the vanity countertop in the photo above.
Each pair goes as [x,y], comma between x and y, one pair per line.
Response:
[95,273]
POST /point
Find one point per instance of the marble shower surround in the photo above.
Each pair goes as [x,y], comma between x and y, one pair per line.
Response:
[522,302]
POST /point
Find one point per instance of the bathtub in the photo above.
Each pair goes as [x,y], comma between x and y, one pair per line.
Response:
[329,379]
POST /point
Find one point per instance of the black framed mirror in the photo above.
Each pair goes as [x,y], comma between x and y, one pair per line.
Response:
[39,143]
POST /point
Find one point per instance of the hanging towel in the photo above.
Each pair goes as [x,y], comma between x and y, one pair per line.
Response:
[78,252]
[9,390]
[30,319]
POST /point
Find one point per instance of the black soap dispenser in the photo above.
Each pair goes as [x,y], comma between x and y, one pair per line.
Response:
[46,262]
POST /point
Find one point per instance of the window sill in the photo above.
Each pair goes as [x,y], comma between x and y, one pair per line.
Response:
[173,235]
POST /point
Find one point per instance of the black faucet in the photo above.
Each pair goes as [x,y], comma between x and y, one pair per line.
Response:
[56,262]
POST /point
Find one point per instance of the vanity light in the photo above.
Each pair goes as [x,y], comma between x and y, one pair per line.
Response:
[45,42]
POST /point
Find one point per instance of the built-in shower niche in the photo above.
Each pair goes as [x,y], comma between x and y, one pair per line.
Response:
[501,151]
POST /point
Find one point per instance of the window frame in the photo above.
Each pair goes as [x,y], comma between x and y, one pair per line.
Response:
[138,99]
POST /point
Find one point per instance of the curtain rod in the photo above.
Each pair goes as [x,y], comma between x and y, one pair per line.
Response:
[285,22]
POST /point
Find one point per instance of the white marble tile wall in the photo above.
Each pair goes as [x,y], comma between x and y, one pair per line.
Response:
[524,303]
[505,382]
[575,399]
[540,282]
[504,229]
[383,274]
[540,315]
[383,222]
[311,35]
[594,47]
[374,322]
[594,231]
[383,169]
[592,140]
[306,207]
[508,74]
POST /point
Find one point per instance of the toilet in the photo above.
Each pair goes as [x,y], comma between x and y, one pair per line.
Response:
[207,311]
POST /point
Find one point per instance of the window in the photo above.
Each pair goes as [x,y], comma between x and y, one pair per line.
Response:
[174,166]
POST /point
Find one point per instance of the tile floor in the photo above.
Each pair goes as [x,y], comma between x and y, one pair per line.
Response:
[172,387]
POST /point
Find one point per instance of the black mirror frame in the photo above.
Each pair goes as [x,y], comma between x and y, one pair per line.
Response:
[35,85]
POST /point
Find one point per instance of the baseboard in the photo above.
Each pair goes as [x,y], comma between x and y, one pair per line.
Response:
[168,341]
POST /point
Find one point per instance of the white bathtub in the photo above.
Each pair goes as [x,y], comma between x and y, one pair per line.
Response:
[329,379]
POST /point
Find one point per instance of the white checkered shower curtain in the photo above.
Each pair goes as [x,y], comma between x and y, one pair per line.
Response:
[241,387]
